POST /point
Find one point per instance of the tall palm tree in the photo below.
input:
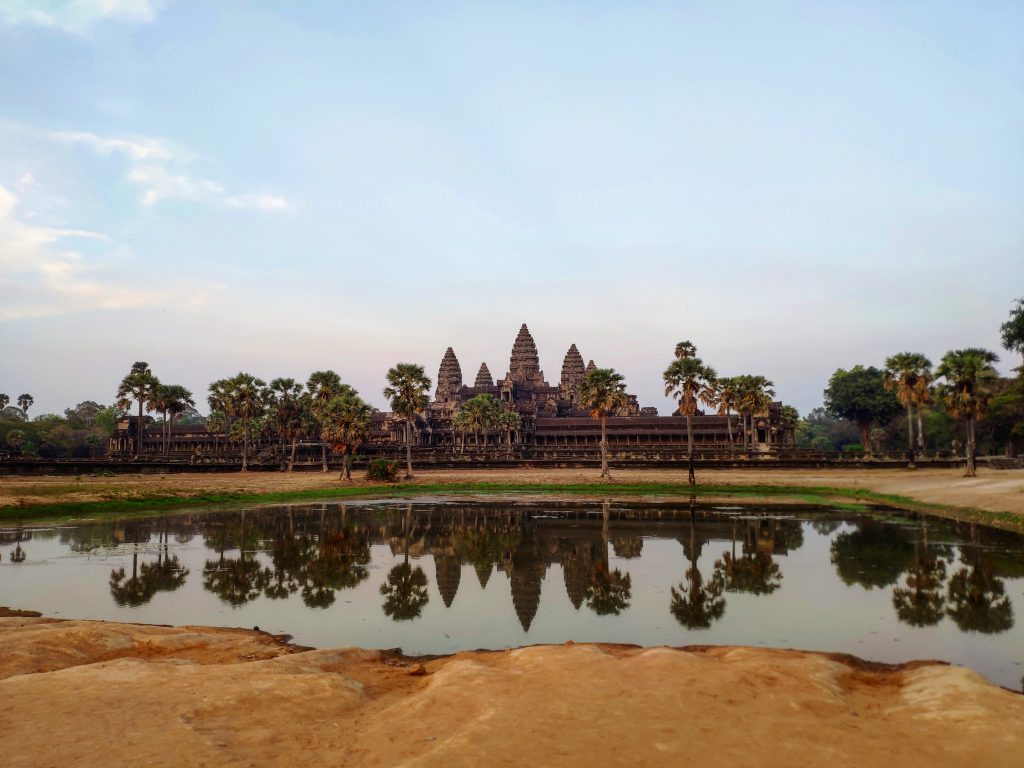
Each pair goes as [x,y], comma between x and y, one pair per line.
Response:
[158,403]
[25,402]
[346,422]
[966,392]
[178,400]
[904,373]
[141,386]
[601,391]
[288,412]
[480,415]
[247,400]
[726,398]
[460,424]
[408,392]
[509,422]
[689,380]
[219,421]
[321,388]
[755,396]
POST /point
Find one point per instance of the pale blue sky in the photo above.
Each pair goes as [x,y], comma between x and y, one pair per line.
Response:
[281,187]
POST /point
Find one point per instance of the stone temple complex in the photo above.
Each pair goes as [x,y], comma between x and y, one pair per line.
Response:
[553,427]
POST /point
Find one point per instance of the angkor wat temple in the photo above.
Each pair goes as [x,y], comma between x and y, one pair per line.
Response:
[556,427]
[553,425]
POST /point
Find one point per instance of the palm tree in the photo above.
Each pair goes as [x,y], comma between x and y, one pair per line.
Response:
[904,373]
[321,388]
[408,392]
[25,402]
[688,380]
[178,399]
[158,402]
[4,400]
[460,424]
[141,386]
[602,390]
[247,399]
[406,588]
[967,390]
[726,398]
[609,590]
[697,604]
[509,422]
[346,422]
[289,412]
[755,396]
[480,415]
[15,440]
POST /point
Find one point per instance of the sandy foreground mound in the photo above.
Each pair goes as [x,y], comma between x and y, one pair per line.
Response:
[103,694]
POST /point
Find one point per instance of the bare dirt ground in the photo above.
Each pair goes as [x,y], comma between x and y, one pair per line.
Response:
[104,694]
[992,490]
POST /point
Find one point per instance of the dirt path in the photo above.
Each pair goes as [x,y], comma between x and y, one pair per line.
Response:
[110,699]
[992,490]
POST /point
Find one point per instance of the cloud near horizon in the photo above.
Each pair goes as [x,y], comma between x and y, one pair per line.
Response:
[77,16]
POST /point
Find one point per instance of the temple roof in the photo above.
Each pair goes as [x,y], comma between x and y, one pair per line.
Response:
[448,572]
[483,377]
[524,363]
[449,376]
[572,367]
[590,367]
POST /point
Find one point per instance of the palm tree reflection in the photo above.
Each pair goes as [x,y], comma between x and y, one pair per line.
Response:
[977,597]
[609,591]
[405,590]
[697,604]
[920,603]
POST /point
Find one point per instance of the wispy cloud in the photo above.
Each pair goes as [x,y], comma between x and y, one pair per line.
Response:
[156,165]
[40,276]
[77,16]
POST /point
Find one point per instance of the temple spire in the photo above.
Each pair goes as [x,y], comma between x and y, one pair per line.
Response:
[449,376]
[483,377]
[572,368]
[524,363]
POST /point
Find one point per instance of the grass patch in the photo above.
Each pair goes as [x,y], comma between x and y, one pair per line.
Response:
[850,499]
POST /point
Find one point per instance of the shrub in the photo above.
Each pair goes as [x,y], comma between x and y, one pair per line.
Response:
[382,470]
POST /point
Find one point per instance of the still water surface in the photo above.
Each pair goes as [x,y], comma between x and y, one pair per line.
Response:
[436,577]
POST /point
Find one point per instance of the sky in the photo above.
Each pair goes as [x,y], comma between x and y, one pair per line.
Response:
[284,187]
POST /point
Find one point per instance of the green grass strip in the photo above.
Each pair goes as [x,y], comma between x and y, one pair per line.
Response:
[798,494]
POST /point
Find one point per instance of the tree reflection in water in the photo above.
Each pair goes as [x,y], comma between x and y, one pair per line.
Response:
[754,572]
[977,597]
[695,604]
[235,580]
[873,555]
[405,590]
[609,590]
[920,602]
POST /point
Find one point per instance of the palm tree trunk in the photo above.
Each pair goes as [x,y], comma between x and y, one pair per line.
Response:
[141,433]
[291,459]
[604,448]
[971,470]
[348,465]
[245,443]
[408,449]
[920,429]
[728,422]
[691,478]
[323,453]
[910,435]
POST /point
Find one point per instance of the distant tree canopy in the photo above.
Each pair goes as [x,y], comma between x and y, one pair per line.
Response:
[1012,331]
[860,395]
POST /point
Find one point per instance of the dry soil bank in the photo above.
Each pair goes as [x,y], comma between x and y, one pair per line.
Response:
[75,693]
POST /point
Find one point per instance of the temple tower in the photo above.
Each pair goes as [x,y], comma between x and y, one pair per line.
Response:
[483,377]
[524,363]
[448,573]
[449,377]
[572,374]
[590,367]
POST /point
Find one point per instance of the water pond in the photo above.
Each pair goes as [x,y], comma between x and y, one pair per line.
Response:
[435,577]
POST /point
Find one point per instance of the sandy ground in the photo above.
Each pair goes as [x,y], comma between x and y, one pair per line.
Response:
[122,694]
[992,490]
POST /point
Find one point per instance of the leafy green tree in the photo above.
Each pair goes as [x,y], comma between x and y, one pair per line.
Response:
[346,422]
[83,415]
[602,391]
[1005,417]
[860,396]
[25,402]
[321,388]
[966,391]
[688,380]
[908,374]
[4,401]
[1012,331]
[408,392]
[141,386]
